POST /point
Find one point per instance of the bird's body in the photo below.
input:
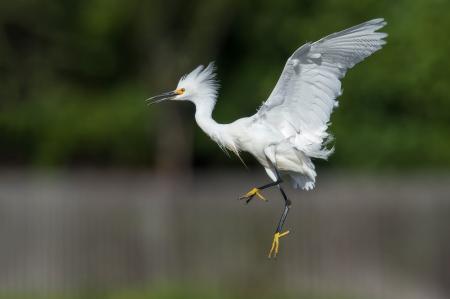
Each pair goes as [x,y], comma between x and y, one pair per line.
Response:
[266,143]
[290,128]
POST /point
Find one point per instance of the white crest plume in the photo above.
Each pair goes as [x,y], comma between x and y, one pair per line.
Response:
[202,81]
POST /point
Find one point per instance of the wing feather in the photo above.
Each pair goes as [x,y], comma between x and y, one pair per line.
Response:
[305,94]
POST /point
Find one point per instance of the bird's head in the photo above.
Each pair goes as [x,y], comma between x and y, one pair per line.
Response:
[199,84]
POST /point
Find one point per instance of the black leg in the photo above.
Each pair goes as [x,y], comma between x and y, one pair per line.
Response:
[278,232]
[287,206]
[278,182]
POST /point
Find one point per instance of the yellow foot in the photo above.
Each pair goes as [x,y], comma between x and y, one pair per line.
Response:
[276,243]
[249,195]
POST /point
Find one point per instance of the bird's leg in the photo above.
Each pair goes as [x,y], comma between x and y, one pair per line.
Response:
[278,232]
[255,191]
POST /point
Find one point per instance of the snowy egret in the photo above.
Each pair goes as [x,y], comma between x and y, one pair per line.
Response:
[290,128]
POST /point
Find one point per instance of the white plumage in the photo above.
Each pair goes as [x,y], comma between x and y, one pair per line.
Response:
[290,128]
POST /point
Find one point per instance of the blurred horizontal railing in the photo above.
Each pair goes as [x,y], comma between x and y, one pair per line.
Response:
[384,236]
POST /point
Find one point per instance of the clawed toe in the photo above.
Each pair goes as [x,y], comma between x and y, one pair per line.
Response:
[249,195]
[276,244]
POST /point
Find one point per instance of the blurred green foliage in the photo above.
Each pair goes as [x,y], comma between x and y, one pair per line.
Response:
[74,74]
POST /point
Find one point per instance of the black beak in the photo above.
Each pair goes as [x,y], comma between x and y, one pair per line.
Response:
[162,97]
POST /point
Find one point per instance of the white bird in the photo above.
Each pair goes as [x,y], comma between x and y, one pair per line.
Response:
[290,128]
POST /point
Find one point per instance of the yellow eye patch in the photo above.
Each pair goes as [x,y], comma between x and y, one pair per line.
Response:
[180,91]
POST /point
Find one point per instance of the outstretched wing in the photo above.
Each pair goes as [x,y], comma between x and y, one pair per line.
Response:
[304,97]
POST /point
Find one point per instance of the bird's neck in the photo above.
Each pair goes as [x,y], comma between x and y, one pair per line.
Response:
[203,115]
[220,133]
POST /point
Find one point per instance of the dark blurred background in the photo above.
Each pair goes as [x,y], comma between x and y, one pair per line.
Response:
[103,197]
